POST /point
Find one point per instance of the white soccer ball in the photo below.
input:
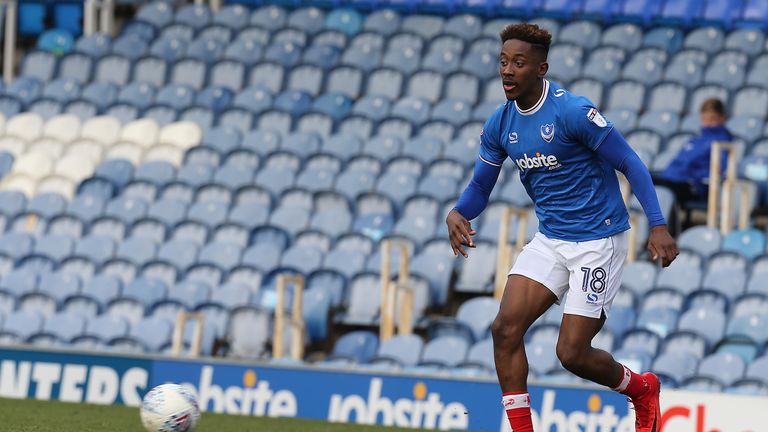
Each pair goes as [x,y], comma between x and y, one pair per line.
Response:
[169,408]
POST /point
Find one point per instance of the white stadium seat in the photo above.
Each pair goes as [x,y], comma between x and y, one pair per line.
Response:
[74,167]
[13,145]
[103,129]
[20,182]
[129,151]
[143,132]
[182,134]
[58,184]
[87,149]
[49,146]
[28,126]
[34,164]
[64,127]
[168,153]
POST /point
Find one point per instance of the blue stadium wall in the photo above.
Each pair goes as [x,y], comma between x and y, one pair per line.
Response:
[355,397]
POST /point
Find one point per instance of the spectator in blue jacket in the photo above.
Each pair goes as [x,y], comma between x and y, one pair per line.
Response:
[688,173]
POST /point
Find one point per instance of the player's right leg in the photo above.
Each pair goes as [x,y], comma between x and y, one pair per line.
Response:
[536,281]
[524,300]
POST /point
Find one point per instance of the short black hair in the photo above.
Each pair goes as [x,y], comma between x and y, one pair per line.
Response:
[538,37]
[713,105]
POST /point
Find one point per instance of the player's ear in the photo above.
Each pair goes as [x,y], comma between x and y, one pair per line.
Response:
[543,68]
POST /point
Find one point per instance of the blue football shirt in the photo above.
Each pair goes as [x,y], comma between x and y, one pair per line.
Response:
[575,194]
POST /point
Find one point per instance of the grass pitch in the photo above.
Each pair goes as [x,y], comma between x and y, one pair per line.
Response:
[42,416]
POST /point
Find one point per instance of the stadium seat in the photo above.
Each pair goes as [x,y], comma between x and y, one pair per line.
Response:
[723,367]
[357,347]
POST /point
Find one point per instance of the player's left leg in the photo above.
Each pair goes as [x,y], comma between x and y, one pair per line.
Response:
[596,268]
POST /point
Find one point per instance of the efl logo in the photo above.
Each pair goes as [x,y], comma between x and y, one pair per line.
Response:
[538,161]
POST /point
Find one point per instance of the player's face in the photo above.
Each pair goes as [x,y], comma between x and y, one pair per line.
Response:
[711,119]
[520,67]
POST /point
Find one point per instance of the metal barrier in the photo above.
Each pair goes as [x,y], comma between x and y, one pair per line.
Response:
[297,317]
[213,4]
[394,293]
[98,16]
[718,186]
[182,318]
[9,44]
[504,252]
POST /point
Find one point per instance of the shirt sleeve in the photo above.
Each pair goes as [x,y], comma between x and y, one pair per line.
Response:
[585,124]
[491,150]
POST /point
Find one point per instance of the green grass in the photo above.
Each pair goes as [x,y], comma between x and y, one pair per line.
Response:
[39,416]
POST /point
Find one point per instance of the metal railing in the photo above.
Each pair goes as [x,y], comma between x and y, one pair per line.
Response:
[177,345]
[505,253]
[296,321]
[394,293]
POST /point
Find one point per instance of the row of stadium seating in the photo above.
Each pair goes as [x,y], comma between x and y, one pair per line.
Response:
[748,13]
[167,216]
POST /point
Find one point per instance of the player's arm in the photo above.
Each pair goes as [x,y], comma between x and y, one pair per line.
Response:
[616,151]
[471,203]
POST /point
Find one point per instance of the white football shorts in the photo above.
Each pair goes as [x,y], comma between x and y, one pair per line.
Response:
[589,272]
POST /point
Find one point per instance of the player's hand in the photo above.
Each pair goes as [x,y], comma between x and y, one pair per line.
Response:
[460,233]
[662,245]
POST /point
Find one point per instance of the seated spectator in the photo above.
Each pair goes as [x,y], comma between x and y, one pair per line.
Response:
[688,173]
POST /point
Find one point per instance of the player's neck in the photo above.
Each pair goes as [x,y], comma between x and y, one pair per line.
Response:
[528,100]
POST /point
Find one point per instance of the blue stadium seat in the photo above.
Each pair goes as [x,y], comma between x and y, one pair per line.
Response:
[641,340]
[727,69]
[138,250]
[126,209]
[401,350]
[676,365]
[234,16]
[710,323]
[157,13]
[197,16]
[178,96]
[40,65]
[686,342]
[63,326]
[147,291]
[687,68]
[130,46]
[59,285]
[660,320]
[114,69]
[749,242]
[358,347]
[758,369]
[152,332]
[249,327]
[38,302]
[63,90]
[139,29]
[684,274]
[76,66]
[752,327]
[19,325]
[139,94]
[723,367]
[150,70]
[181,254]
[707,39]
[25,89]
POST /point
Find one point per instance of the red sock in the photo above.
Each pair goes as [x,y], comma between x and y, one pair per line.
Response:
[518,407]
[631,384]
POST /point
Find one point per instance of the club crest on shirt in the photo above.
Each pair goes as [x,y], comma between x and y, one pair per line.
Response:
[595,117]
[548,132]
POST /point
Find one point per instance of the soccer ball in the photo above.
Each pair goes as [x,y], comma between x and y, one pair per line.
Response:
[169,408]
